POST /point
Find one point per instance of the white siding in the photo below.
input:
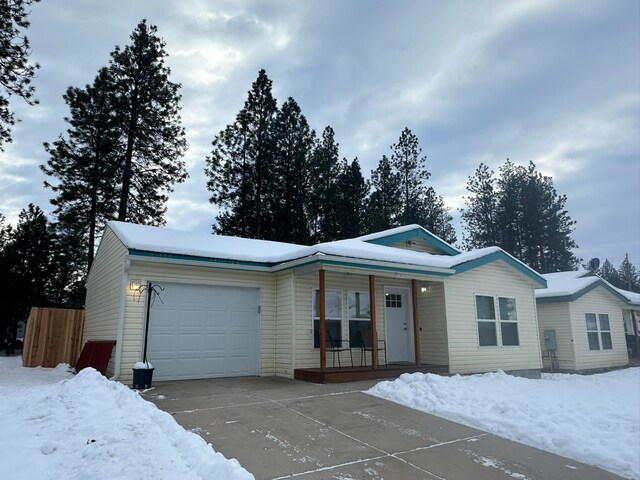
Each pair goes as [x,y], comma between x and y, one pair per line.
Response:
[104,293]
[555,316]
[433,322]
[284,324]
[143,271]
[417,244]
[305,355]
[597,301]
[494,279]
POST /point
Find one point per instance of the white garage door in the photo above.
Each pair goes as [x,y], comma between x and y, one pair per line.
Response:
[202,331]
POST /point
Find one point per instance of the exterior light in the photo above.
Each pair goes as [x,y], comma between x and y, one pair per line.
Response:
[134,284]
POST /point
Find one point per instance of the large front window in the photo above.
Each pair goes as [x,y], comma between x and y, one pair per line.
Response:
[359,310]
[488,320]
[486,316]
[333,316]
[598,330]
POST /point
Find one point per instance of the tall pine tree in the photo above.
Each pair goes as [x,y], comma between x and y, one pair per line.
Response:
[629,276]
[241,166]
[352,191]
[480,214]
[383,207]
[148,105]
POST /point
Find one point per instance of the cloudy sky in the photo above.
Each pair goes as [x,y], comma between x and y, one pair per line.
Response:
[553,82]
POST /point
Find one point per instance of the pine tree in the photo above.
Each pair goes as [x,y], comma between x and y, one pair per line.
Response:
[323,199]
[383,207]
[85,165]
[293,142]
[629,276]
[352,191]
[435,217]
[241,166]
[480,214]
[16,72]
[610,274]
[148,105]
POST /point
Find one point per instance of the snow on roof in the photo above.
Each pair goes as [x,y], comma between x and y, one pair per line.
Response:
[633,297]
[398,230]
[565,283]
[169,241]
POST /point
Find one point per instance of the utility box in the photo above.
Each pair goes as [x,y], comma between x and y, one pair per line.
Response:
[550,340]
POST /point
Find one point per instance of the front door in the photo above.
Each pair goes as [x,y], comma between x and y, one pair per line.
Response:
[396,314]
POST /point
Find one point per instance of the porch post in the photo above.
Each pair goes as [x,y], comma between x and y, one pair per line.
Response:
[416,322]
[323,325]
[374,329]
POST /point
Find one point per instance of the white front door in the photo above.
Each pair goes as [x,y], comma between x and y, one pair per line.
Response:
[396,314]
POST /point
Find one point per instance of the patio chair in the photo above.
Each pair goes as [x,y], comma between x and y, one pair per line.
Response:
[337,346]
[365,345]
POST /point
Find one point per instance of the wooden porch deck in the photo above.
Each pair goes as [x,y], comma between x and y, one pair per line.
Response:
[352,374]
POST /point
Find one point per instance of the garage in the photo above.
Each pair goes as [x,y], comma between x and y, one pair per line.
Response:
[204,331]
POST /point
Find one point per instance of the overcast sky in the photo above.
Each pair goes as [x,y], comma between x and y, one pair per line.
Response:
[556,82]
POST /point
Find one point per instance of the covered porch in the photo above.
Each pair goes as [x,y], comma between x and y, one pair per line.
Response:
[401,313]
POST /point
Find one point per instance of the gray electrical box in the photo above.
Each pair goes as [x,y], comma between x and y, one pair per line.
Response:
[550,340]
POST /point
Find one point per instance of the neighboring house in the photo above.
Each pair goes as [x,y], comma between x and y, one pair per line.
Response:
[631,317]
[233,306]
[585,314]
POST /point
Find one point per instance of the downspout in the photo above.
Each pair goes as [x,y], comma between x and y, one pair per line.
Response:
[120,338]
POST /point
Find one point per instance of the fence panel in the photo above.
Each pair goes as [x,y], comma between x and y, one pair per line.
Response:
[53,336]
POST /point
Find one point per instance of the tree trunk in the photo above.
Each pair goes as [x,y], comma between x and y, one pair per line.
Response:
[126,174]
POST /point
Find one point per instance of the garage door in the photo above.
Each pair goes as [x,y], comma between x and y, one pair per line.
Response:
[203,331]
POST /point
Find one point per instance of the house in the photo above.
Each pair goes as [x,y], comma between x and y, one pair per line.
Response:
[631,318]
[229,306]
[584,314]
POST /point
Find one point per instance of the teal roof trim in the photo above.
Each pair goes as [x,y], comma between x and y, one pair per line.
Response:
[178,256]
[420,233]
[500,255]
[366,266]
[584,291]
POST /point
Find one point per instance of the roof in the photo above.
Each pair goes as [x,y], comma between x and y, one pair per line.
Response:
[146,240]
[569,286]
[409,231]
[632,297]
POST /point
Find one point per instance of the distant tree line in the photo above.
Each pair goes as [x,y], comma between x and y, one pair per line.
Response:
[626,276]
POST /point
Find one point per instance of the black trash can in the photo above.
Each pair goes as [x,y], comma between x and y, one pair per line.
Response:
[142,378]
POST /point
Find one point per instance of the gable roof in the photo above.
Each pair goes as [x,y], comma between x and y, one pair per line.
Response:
[569,286]
[407,232]
[632,297]
[148,241]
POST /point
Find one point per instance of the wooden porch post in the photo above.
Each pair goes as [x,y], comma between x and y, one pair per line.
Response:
[323,325]
[374,329]
[416,322]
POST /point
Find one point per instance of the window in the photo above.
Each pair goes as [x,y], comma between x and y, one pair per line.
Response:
[486,316]
[359,311]
[393,300]
[598,331]
[487,321]
[333,315]
[508,321]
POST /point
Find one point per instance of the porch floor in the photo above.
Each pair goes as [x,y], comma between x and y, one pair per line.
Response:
[351,374]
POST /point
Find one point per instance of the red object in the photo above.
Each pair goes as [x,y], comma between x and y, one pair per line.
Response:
[95,354]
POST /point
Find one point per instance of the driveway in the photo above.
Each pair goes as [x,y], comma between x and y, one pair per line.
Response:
[279,428]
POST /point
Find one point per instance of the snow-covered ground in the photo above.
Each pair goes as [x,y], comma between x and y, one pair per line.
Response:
[594,419]
[56,425]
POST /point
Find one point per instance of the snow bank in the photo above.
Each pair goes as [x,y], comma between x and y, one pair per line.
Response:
[593,419]
[90,427]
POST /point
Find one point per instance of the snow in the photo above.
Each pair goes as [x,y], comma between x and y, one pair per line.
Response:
[143,366]
[565,283]
[592,419]
[633,297]
[56,425]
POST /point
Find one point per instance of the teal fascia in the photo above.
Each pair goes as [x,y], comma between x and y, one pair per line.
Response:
[420,233]
[178,256]
[584,291]
[500,255]
[384,268]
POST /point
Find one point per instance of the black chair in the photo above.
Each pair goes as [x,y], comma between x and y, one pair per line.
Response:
[337,346]
[365,345]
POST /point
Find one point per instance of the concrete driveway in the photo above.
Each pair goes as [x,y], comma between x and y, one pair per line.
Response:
[279,428]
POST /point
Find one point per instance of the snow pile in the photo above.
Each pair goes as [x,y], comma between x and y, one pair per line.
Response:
[91,427]
[593,419]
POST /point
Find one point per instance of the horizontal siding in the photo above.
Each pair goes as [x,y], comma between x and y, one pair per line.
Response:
[104,289]
[417,245]
[555,316]
[284,325]
[433,322]
[597,301]
[149,271]
[305,355]
[494,279]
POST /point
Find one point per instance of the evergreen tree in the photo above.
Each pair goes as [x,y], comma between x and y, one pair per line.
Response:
[610,274]
[16,72]
[293,142]
[85,165]
[323,197]
[352,193]
[383,207]
[435,217]
[148,106]
[241,166]
[480,214]
[629,276]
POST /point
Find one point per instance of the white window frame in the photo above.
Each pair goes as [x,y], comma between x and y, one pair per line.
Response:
[497,321]
[509,321]
[494,321]
[357,319]
[314,318]
[599,331]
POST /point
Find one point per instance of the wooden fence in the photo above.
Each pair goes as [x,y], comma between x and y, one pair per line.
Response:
[53,336]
